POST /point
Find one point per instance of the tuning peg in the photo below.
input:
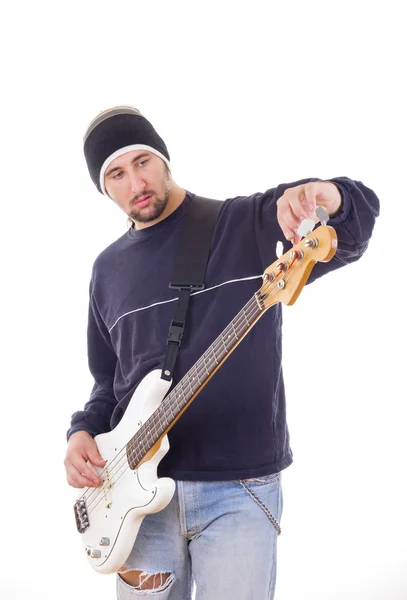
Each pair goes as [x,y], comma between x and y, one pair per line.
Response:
[306,227]
[279,249]
[322,215]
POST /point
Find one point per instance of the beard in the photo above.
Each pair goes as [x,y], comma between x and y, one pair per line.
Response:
[155,208]
[152,211]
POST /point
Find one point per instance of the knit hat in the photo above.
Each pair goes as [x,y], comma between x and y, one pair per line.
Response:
[114,132]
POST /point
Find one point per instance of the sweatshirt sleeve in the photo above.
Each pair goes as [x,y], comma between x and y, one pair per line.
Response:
[354,224]
[102,359]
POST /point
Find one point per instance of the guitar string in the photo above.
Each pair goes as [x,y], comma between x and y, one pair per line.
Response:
[145,434]
[124,457]
[151,421]
[252,304]
[114,467]
[123,453]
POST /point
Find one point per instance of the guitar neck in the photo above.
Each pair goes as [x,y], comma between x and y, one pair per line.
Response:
[178,400]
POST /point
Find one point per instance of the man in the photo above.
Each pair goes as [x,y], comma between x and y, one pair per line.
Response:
[228,449]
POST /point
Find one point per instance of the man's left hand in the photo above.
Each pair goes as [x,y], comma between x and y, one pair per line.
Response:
[299,203]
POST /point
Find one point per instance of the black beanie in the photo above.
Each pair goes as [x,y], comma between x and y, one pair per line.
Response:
[114,132]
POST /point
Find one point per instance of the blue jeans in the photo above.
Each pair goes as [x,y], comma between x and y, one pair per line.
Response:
[219,535]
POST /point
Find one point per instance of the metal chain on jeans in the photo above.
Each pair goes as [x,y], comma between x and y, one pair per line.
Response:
[262,506]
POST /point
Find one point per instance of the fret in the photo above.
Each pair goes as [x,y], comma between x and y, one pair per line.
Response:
[196,373]
[130,445]
[155,427]
[130,452]
[135,458]
[240,325]
[140,443]
[150,438]
[164,409]
[245,316]
[165,413]
[187,392]
[209,365]
[190,385]
[182,390]
[174,396]
[145,439]
[133,447]
[205,362]
[195,385]
[164,421]
[222,339]
[174,401]
[213,351]
[229,340]
[201,377]
[157,419]
[234,330]
[180,393]
[206,367]
[254,306]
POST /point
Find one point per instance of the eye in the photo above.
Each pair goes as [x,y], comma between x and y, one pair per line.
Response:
[142,162]
[118,175]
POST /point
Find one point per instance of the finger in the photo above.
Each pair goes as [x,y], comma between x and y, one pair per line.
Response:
[310,194]
[80,481]
[95,458]
[83,471]
[299,207]
[285,214]
[76,484]
[288,232]
[76,479]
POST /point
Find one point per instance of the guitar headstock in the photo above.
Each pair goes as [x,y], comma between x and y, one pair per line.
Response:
[285,278]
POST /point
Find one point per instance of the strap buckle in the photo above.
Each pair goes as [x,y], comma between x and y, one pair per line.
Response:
[176,332]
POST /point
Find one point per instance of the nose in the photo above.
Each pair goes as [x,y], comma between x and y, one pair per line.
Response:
[137,184]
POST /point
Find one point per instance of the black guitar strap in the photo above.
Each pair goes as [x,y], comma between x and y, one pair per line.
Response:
[190,270]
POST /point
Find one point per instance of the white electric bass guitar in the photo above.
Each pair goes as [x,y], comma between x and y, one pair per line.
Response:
[109,517]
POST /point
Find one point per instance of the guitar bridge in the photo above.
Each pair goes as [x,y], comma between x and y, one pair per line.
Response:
[81,516]
[107,485]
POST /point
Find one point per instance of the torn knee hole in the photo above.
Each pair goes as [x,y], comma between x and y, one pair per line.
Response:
[141,580]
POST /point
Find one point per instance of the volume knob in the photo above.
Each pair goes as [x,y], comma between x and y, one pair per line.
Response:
[95,554]
[104,541]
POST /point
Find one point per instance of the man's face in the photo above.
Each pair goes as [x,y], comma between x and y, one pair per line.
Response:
[139,182]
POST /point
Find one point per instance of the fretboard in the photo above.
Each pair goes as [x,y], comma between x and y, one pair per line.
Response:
[184,392]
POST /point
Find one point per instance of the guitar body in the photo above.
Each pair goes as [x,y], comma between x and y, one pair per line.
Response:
[116,510]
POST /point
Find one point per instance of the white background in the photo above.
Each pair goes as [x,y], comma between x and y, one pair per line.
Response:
[246,96]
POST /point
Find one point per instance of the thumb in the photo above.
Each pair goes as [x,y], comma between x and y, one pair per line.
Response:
[94,456]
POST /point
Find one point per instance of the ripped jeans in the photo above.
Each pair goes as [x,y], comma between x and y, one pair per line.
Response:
[216,535]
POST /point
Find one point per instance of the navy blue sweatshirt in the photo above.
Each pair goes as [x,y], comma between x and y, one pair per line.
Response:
[236,428]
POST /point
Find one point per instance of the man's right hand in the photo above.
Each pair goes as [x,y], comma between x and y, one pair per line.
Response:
[81,449]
